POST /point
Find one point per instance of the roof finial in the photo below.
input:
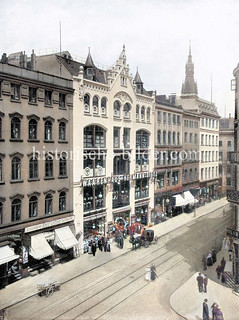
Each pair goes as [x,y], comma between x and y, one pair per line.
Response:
[124,46]
[190,47]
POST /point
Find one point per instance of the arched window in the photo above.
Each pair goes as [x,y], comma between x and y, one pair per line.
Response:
[16,210]
[33,168]
[103,106]
[94,137]
[48,130]
[142,139]
[15,128]
[137,112]
[116,109]
[48,203]
[95,105]
[62,131]
[63,167]
[1,212]
[62,201]
[49,167]
[143,113]
[126,110]
[148,114]
[86,103]
[32,131]
[16,168]
[33,206]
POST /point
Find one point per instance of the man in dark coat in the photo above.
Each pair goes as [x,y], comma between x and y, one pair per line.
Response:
[214,256]
[100,245]
[200,282]
[205,313]
[93,248]
[218,271]
[205,281]
[223,264]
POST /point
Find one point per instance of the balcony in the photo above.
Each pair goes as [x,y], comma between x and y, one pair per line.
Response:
[233,196]
[233,233]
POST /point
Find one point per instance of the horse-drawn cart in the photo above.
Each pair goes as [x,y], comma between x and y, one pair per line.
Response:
[145,240]
[47,289]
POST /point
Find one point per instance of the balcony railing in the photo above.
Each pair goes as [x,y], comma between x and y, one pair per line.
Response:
[233,196]
[232,233]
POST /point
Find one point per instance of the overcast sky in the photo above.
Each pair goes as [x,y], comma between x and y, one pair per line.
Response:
[156,34]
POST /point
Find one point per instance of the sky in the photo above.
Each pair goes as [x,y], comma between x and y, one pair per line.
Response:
[156,35]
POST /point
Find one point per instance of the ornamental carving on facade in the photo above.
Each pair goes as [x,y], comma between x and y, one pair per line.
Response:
[122,96]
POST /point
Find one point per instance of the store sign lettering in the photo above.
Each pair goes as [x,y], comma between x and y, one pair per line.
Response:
[48,224]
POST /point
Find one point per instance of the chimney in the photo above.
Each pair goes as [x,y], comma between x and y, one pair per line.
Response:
[172,98]
[33,60]
[4,58]
[23,60]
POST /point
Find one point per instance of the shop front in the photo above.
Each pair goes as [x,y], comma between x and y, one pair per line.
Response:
[141,213]
[8,265]
[162,206]
[209,190]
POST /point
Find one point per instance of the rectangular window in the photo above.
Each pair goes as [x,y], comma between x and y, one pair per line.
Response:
[185,123]
[220,156]
[220,143]
[191,138]
[32,95]
[220,169]
[169,118]
[228,169]
[202,121]
[164,117]
[202,139]
[116,137]
[202,156]
[160,180]
[185,136]
[62,100]
[159,116]
[195,138]
[228,182]
[174,118]
[15,91]
[229,143]
[126,138]
[159,137]
[175,176]
[48,95]
[212,155]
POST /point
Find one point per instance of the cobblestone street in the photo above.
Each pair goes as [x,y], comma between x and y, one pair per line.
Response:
[118,288]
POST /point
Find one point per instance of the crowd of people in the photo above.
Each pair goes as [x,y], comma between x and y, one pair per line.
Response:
[216,311]
[103,243]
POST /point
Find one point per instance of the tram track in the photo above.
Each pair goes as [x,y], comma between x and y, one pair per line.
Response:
[168,257]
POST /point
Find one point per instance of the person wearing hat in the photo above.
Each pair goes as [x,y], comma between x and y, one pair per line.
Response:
[205,313]
[214,309]
[218,314]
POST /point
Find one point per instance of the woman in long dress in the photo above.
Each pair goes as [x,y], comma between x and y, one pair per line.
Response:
[219,314]
[148,274]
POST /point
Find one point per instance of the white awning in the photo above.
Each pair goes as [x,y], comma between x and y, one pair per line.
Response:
[180,201]
[64,238]
[189,197]
[7,254]
[40,248]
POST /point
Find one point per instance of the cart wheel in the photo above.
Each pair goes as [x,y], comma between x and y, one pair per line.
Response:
[146,244]
[49,291]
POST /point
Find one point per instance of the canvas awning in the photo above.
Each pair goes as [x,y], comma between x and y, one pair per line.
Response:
[7,254]
[189,197]
[180,201]
[64,238]
[40,248]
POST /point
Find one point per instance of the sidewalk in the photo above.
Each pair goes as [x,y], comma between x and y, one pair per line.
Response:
[27,287]
[187,301]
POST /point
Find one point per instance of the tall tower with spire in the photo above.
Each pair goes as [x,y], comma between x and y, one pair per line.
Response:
[89,67]
[139,83]
[189,86]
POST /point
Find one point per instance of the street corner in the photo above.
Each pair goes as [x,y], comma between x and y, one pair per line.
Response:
[187,301]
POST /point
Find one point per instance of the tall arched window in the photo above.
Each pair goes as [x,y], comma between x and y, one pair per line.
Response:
[62,167]
[95,105]
[48,204]
[62,201]
[33,168]
[33,206]
[62,131]
[94,137]
[15,128]
[137,112]
[117,109]
[48,130]
[16,209]
[103,106]
[32,131]
[148,114]
[143,113]
[16,168]
[86,103]
[126,110]
[49,167]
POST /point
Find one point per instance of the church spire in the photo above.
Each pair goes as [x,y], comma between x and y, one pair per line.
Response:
[122,57]
[189,86]
[89,61]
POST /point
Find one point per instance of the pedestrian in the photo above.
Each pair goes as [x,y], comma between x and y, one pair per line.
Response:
[218,270]
[209,260]
[214,256]
[93,248]
[205,313]
[148,274]
[108,245]
[121,242]
[200,282]
[214,309]
[153,272]
[205,282]
[218,314]
[100,244]
[223,264]
[204,262]
[223,278]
